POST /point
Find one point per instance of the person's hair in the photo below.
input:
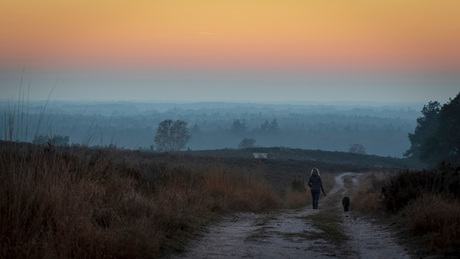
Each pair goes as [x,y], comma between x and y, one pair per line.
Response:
[314,171]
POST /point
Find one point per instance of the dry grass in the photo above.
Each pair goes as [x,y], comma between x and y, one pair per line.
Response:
[86,203]
[294,199]
[367,197]
[62,205]
[328,181]
[58,206]
[437,219]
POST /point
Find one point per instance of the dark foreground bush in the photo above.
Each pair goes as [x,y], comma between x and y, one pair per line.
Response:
[407,186]
[437,220]
[430,200]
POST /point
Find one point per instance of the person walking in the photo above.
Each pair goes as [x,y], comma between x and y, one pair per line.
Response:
[316,186]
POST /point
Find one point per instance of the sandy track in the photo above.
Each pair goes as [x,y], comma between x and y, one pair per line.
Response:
[290,234]
[367,238]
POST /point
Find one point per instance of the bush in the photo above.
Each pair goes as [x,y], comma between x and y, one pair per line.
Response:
[437,219]
[406,186]
[429,200]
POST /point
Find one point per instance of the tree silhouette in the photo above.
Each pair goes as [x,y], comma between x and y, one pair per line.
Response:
[238,127]
[172,135]
[426,126]
[437,135]
[270,127]
[444,143]
[357,149]
[247,143]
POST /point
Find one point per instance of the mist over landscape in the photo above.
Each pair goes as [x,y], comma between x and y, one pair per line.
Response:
[382,129]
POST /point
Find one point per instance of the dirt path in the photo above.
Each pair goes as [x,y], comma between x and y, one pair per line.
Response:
[298,233]
[367,239]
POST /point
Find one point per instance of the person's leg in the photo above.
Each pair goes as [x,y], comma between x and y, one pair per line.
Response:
[313,199]
[316,199]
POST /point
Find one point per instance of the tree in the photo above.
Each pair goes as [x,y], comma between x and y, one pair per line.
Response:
[270,127]
[437,135]
[426,126]
[265,127]
[357,149]
[172,135]
[247,143]
[274,128]
[238,127]
[444,143]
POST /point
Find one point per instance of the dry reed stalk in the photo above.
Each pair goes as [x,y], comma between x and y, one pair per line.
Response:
[367,197]
[364,199]
[295,199]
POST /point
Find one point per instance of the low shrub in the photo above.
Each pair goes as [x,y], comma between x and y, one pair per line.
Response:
[429,200]
[406,186]
[437,219]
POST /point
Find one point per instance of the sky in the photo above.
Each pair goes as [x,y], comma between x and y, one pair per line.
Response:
[219,50]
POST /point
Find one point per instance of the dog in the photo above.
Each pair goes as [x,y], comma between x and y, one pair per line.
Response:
[346,203]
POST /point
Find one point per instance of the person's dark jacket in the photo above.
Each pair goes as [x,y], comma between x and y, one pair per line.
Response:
[315,183]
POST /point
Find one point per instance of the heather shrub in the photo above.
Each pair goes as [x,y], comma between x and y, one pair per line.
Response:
[406,186]
[437,219]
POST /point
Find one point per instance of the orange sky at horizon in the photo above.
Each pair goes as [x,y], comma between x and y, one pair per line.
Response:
[271,34]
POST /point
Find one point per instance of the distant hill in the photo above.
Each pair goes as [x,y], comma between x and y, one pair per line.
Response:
[338,158]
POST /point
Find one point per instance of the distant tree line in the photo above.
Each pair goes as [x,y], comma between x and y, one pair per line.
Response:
[380,131]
